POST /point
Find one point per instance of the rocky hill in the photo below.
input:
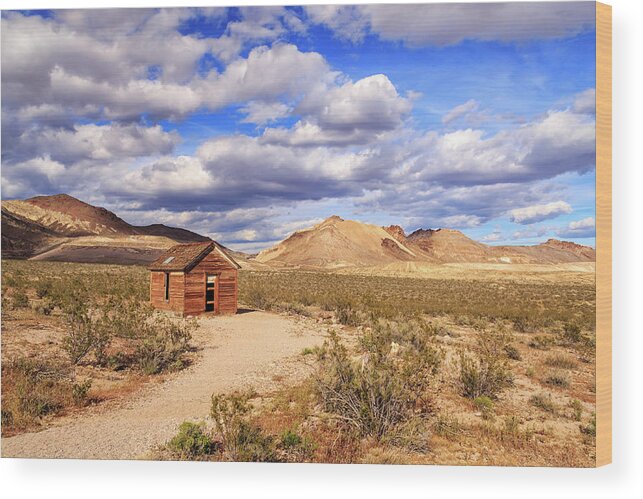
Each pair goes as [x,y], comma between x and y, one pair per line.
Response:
[337,243]
[63,228]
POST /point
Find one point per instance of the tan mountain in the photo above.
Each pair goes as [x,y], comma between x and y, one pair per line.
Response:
[336,243]
[63,228]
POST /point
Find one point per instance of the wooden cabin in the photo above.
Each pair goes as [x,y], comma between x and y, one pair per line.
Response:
[193,279]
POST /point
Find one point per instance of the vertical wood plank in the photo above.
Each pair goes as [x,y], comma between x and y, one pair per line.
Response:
[603,234]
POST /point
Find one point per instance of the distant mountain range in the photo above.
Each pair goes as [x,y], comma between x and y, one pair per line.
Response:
[63,228]
[337,243]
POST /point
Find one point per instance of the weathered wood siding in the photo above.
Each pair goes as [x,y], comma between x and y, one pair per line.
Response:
[225,289]
[177,291]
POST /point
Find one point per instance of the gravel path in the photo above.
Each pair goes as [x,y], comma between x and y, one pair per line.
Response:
[252,349]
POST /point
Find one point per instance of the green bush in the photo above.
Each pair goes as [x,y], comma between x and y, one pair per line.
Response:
[191,442]
[163,349]
[558,379]
[487,372]
[577,409]
[572,332]
[485,405]
[20,299]
[45,307]
[242,441]
[81,333]
[79,392]
[561,361]
[512,352]
[543,401]
[33,388]
[375,396]
[590,428]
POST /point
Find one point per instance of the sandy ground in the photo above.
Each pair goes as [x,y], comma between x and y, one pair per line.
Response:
[254,350]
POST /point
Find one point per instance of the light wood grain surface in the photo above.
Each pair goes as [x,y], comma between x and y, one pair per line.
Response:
[603,234]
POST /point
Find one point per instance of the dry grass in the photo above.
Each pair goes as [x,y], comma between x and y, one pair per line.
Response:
[539,334]
[94,321]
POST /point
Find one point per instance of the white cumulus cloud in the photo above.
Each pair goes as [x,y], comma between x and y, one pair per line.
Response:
[539,212]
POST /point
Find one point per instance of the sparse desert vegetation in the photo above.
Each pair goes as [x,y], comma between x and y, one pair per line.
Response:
[412,371]
[77,334]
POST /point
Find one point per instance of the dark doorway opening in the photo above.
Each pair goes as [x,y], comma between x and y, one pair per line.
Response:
[210,295]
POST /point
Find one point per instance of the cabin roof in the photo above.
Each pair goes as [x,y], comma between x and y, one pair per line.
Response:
[184,257]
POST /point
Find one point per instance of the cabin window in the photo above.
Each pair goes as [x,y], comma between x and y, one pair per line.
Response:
[167,286]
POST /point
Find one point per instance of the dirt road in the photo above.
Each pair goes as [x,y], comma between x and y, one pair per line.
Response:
[252,349]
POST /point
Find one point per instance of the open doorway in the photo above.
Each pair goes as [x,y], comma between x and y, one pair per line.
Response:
[210,292]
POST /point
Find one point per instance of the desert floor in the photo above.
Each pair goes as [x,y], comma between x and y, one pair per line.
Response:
[250,350]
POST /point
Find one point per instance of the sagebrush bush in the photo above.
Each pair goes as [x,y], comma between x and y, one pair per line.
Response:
[590,428]
[81,333]
[486,372]
[512,352]
[79,392]
[572,332]
[543,401]
[561,361]
[369,397]
[33,388]
[20,299]
[485,405]
[242,440]
[191,442]
[577,409]
[384,390]
[559,379]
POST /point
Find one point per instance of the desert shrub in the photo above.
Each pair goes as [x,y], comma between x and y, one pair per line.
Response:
[543,401]
[447,426]
[20,299]
[43,288]
[577,409]
[486,373]
[512,352]
[560,361]
[296,447]
[370,398]
[259,297]
[45,307]
[523,324]
[81,333]
[572,332]
[33,388]
[389,385]
[164,347]
[191,442]
[79,392]
[242,440]
[290,438]
[559,379]
[590,428]
[485,405]
[407,348]
[412,435]
[158,342]
[542,342]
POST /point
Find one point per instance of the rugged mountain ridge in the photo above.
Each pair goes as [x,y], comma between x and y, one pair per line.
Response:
[336,243]
[63,228]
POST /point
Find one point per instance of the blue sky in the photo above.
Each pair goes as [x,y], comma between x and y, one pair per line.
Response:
[246,124]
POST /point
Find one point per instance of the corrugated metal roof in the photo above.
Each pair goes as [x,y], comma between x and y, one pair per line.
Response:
[183,257]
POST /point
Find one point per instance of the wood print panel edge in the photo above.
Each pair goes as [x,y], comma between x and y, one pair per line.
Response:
[603,234]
